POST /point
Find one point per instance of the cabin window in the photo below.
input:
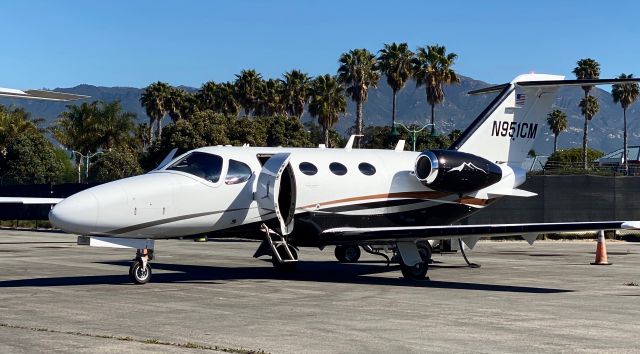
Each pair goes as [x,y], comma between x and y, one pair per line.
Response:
[200,164]
[338,168]
[238,172]
[367,169]
[308,168]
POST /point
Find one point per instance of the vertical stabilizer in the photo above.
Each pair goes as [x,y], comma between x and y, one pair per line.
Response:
[506,130]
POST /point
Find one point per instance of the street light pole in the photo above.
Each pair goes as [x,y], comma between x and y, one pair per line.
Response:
[414,132]
[87,158]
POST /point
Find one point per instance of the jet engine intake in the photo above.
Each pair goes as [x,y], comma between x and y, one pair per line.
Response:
[455,171]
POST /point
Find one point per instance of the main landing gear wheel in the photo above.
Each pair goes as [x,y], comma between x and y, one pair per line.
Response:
[418,271]
[139,273]
[286,267]
[347,254]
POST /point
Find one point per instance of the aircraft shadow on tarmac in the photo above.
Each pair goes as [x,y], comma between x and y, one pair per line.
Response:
[323,272]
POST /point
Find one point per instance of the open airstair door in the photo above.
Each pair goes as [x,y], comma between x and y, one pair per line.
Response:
[276,191]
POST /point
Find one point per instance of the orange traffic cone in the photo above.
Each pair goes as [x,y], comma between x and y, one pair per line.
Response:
[601,251]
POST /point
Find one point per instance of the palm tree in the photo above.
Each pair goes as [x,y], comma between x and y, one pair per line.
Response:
[432,69]
[297,87]
[358,71]
[78,130]
[153,99]
[248,84]
[270,100]
[557,121]
[115,127]
[327,102]
[226,102]
[207,95]
[175,102]
[589,107]
[587,69]
[625,94]
[395,62]
[220,98]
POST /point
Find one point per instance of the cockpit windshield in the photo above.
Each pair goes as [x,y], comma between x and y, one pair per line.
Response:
[200,164]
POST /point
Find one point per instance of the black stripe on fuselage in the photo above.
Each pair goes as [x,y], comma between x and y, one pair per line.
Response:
[144,225]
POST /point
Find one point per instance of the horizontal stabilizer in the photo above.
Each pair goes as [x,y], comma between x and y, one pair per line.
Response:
[40,95]
[487,90]
[26,200]
[592,82]
[553,83]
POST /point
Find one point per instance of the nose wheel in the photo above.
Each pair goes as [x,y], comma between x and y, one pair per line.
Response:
[140,269]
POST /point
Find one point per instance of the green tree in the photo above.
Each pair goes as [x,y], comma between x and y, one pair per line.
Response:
[154,99]
[115,128]
[115,164]
[95,126]
[557,121]
[587,69]
[15,122]
[248,84]
[395,62]
[284,131]
[454,135]
[378,137]
[625,94]
[432,69]
[569,159]
[270,99]
[31,159]
[296,92]
[220,98]
[358,71]
[327,102]
[78,128]
[317,136]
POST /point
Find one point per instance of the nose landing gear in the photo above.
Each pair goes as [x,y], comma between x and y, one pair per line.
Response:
[140,270]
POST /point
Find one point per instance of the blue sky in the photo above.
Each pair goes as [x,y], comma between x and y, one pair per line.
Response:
[133,43]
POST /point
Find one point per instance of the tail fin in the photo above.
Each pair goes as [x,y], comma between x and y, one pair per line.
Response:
[506,130]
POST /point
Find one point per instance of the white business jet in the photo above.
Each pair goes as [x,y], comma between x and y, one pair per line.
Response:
[350,198]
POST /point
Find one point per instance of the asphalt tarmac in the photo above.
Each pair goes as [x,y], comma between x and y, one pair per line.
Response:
[56,296]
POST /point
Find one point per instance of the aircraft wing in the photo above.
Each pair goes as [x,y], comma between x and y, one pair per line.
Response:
[345,234]
[40,95]
[25,200]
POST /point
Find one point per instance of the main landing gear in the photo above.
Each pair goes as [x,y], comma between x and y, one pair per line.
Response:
[140,270]
[347,253]
[414,257]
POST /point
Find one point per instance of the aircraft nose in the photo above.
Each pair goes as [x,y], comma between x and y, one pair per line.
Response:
[77,214]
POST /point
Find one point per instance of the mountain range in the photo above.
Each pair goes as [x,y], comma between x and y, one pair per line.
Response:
[457,111]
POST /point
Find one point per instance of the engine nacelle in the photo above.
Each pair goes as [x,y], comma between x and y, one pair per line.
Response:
[455,172]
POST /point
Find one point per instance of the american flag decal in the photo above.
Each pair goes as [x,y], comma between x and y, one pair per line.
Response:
[520,99]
